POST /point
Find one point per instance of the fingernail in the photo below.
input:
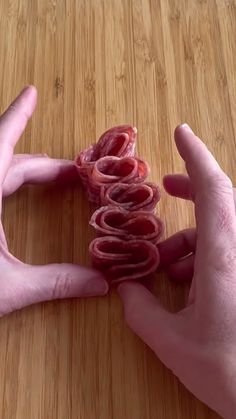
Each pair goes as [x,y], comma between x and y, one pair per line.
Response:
[96,286]
[28,90]
[187,127]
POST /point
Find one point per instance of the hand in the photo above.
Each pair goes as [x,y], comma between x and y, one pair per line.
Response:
[198,343]
[22,284]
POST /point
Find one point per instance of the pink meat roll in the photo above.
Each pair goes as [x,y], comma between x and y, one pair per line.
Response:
[118,141]
[143,196]
[109,170]
[115,221]
[123,260]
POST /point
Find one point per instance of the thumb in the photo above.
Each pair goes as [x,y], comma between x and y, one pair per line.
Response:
[57,281]
[149,320]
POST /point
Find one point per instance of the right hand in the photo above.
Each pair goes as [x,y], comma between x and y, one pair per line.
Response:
[198,343]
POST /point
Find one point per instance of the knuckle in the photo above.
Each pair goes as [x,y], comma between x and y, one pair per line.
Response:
[224,219]
[19,111]
[220,181]
[62,285]
[224,263]
[221,192]
[230,258]
[12,108]
[227,180]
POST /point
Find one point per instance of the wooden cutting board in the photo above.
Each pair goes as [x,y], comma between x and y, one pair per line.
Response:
[151,63]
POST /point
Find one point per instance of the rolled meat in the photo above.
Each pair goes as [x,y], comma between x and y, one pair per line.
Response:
[109,170]
[127,228]
[115,221]
[118,141]
[132,197]
[123,260]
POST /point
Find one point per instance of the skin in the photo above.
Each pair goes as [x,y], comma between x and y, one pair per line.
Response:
[23,284]
[198,343]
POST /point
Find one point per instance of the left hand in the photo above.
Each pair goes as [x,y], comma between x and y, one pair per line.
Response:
[22,284]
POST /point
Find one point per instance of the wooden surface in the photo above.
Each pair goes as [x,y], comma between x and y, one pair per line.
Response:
[97,63]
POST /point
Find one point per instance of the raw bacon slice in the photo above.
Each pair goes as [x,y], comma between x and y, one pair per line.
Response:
[119,141]
[128,229]
[108,170]
[123,260]
[143,196]
[127,225]
[114,169]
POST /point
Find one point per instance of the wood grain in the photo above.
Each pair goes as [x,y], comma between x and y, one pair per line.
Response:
[151,63]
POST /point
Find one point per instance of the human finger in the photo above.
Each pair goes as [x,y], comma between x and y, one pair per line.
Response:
[34,284]
[178,185]
[182,270]
[213,192]
[37,170]
[149,320]
[177,246]
[12,124]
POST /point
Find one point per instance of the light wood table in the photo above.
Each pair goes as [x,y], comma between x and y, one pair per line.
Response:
[151,63]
